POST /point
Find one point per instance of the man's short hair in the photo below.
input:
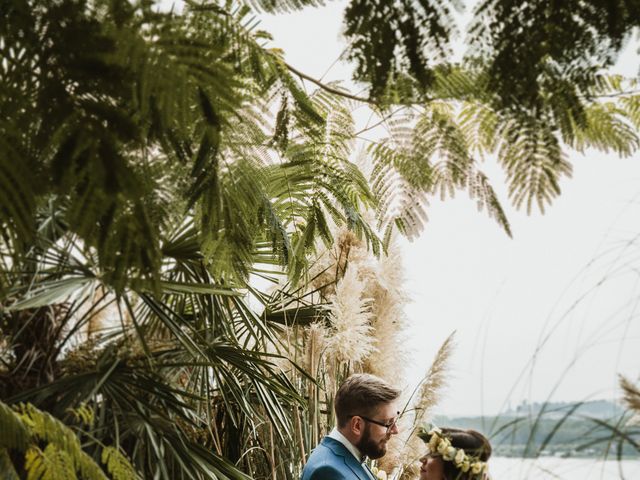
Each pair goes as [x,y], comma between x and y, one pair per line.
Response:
[362,394]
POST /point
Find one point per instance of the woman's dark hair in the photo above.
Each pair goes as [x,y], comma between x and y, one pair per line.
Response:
[473,443]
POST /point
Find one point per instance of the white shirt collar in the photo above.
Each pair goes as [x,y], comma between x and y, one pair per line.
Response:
[336,435]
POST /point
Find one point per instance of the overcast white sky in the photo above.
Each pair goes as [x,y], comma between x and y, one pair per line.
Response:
[504,295]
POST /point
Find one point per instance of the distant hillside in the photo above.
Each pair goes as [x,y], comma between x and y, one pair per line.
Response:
[560,429]
[602,409]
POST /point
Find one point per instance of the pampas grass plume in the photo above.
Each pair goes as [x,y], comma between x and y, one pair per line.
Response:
[351,339]
[631,398]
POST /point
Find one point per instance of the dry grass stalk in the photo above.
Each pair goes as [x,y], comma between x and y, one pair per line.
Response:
[429,395]
[316,341]
[434,382]
[367,318]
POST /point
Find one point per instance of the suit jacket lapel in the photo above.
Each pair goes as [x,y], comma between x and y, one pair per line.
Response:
[349,460]
[369,472]
[356,466]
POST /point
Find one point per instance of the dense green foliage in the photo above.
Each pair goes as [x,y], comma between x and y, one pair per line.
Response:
[152,162]
[142,184]
[534,47]
[51,450]
[152,116]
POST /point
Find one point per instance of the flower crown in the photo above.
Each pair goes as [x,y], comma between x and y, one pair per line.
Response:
[438,443]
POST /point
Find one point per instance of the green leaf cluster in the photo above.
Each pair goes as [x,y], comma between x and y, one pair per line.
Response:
[50,450]
[151,117]
[437,147]
[536,46]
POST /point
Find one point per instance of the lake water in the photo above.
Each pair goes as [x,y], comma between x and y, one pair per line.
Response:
[550,468]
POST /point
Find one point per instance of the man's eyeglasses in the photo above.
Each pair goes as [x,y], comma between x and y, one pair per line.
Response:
[388,425]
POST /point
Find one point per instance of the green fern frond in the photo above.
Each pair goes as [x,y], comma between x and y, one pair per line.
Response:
[317,177]
[118,465]
[607,130]
[281,6]
[13,433]
[534,162]
[83,414]
[307,117]
[440,141]
[479,124]
[406,210]
[402,201]
[630,106]
[337,136]
[18,185]
[482,192]
[233,29]
[51,464]
[6,466]
[607,84]
[454,82]
[565,102]
[431,158]
[63,447]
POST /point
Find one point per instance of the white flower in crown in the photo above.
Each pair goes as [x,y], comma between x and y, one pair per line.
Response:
[438,443]
[435,434]
[443,444]
[379,474]
[433,443]
[449,454]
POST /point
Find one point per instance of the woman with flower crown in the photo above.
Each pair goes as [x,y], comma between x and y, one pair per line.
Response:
[454,454]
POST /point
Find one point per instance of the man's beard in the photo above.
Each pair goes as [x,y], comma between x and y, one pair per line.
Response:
[369,447]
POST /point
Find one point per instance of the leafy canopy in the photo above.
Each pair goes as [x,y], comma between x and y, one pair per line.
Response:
[151,162]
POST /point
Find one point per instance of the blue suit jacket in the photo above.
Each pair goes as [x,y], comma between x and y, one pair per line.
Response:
[332,461]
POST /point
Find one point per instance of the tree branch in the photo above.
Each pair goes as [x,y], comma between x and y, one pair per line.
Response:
[330,89]
[617,94]
[377,124]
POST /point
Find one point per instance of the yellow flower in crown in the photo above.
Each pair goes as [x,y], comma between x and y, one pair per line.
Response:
[465,465]
[459,458]
[476,467]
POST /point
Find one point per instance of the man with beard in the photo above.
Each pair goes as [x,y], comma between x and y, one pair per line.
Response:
[366,412]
